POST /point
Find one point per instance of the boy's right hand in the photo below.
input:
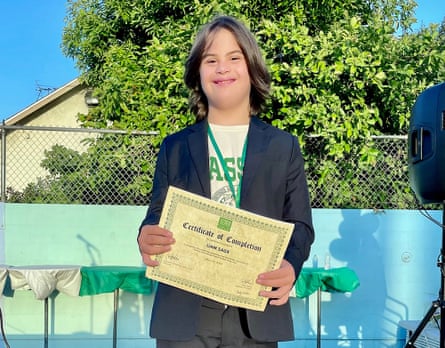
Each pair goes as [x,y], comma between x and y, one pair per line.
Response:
[154,240]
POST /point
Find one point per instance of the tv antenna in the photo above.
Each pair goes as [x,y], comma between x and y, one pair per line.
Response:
[41,89]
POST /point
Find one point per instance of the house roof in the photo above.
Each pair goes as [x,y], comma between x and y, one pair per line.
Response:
[31,109]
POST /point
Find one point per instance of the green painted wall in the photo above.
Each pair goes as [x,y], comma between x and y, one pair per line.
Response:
[393,252]
[81,235]
[71,234]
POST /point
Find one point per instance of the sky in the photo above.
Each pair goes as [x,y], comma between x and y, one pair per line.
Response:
[31,58]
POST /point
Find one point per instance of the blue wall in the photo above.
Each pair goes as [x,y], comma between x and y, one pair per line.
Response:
[393,252]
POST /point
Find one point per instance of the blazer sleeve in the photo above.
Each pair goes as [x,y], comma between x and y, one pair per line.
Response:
[297,210]
[160,187]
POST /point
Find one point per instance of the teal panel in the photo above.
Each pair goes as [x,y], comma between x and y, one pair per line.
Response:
[393,254]
[72,234]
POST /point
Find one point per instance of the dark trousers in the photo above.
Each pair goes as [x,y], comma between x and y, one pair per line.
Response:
[219,327]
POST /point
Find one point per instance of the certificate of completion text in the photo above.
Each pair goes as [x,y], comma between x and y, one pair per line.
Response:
[219,250]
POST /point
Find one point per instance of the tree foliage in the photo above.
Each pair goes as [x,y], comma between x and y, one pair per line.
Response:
[341,70]
[338,67]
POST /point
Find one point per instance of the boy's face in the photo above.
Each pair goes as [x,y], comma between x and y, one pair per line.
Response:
[224,76]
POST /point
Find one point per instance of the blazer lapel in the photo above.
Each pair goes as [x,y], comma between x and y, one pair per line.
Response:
[257,145]
[199,153]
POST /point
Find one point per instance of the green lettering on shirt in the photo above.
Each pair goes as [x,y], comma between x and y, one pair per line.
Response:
[230,163]
[215,172]
[235,171]
[240,167]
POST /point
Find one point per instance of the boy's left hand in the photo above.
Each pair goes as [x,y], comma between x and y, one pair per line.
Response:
[281,280]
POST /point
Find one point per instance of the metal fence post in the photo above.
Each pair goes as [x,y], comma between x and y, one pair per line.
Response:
[3,164]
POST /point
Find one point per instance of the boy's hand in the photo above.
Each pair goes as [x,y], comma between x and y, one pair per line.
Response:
[154,240]
[281,280]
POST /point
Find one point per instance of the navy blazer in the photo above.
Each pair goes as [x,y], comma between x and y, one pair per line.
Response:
[274,185]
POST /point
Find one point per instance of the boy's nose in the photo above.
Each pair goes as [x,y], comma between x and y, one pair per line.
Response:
[222,68]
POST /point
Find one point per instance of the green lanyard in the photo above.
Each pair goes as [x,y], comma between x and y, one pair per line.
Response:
[236,195]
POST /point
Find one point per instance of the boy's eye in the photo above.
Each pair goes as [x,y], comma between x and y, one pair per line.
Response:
[236,58]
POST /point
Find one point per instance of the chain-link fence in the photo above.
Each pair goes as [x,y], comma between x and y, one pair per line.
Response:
[351,183]
[85,166]
[75,165]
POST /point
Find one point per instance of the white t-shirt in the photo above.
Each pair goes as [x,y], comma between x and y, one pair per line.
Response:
[230,141]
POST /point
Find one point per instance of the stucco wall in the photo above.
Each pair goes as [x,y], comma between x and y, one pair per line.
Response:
[25,149]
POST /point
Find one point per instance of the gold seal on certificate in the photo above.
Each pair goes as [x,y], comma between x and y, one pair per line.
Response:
[219,250]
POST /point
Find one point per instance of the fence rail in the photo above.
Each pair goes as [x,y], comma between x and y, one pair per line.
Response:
[100,166]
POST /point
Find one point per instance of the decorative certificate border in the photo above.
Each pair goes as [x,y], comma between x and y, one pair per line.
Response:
[176,201]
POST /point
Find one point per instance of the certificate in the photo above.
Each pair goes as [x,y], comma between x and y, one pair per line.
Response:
[219,250]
